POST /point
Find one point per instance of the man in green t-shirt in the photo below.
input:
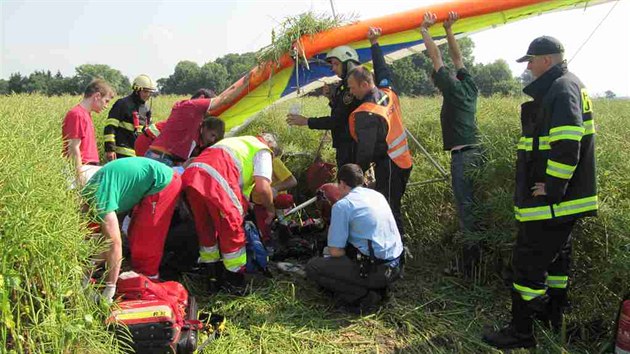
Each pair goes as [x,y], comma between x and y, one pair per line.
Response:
[147,188]
[459,129]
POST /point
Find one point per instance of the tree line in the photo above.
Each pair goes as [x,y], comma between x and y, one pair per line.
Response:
[412,76]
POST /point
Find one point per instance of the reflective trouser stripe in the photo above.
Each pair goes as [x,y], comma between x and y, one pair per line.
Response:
[234,261]
[398,140]
[560,170]
[401,150]
[109,138]
[528,294]
[222,182]
[125,151]
[209,254]
[575,206]
[566,132]
[557,281]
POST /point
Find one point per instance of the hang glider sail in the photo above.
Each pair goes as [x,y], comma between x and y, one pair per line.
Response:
[270,83]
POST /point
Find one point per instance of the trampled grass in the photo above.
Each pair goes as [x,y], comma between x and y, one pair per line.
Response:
[43,247]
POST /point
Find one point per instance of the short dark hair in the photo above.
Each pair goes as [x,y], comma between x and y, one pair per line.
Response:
[351,174]
[98,86]
[361,74]
[203,93]
[216,124]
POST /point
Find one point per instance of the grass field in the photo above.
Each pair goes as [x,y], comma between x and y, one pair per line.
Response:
[43,308]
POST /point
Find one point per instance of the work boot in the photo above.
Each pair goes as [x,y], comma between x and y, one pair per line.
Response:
[213,274]
[233,283]
[553,314]
[520,332]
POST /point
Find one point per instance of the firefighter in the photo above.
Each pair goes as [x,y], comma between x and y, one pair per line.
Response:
[151,190]
[376,127]
[127,118]
[187,130]
[342,60]
[555,186]
[364,247]
[459,131]
[217,185]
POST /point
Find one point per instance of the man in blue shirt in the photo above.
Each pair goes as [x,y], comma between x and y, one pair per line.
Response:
[364,245]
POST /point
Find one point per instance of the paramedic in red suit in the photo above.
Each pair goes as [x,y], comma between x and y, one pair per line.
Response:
[149,190]
[218,184]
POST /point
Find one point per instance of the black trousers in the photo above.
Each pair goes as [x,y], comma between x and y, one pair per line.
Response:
[341,276]
[543,248]
[391,181]
[344,153]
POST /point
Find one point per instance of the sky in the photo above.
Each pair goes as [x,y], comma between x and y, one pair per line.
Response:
[151,37]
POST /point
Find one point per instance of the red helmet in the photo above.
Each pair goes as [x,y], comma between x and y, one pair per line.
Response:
[283,201]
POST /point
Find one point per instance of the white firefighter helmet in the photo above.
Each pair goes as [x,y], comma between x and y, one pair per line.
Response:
[343,53]
[143,82]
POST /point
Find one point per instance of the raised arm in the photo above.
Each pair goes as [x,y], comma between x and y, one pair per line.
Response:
[453,47]
[382,72]
[433,51]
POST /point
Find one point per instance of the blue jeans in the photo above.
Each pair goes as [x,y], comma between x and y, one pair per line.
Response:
[163,158]
[463,167]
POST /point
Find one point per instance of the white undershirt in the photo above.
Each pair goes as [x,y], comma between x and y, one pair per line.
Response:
[263,164]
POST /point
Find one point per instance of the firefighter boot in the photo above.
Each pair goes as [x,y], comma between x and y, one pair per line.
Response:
[213,273]
[558,302]
[520,332]
[233,283]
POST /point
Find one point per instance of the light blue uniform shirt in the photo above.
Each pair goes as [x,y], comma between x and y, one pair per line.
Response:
[363,215]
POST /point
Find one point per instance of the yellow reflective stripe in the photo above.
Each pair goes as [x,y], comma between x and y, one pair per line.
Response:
[575,206]
[401,150]
[112,122]
[527,144]
[234,261]
[127,126]
[543,143]
[560,170]
[532,214]
[566,132]
[209,254]
[528,293]
[557,281]
[587,105]
[110,138]
[589,127]
[142,313]
[222,182]
[125,151]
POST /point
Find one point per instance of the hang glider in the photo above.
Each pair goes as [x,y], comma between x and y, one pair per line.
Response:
[273,82]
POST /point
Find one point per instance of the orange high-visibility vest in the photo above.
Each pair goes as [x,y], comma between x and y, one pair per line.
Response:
[397,146]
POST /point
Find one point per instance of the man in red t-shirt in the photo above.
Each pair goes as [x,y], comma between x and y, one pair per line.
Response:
[79,140]
[180,136]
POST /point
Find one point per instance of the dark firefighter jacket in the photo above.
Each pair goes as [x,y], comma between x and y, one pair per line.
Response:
[125,121]
[557,148]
